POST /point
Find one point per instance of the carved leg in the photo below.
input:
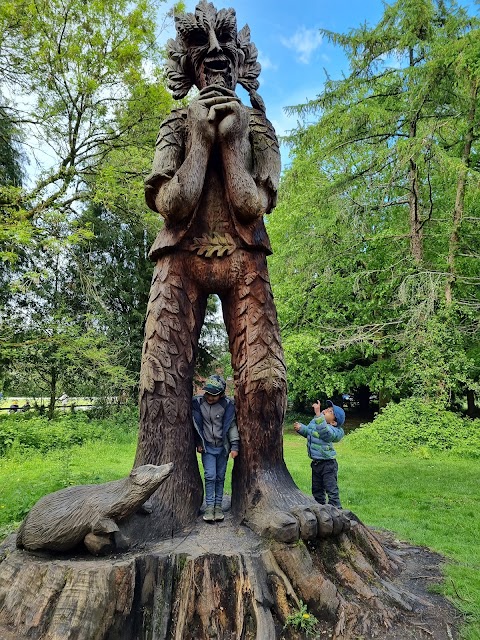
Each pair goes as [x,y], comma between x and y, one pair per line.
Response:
[175,315]
[263,492]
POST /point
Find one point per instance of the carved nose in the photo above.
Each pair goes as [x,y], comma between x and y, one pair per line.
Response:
[213,43]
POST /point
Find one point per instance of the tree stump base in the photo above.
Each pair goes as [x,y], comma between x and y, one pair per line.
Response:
[216,581]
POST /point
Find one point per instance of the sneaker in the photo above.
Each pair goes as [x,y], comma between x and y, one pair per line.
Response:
[219,515]
[209,515]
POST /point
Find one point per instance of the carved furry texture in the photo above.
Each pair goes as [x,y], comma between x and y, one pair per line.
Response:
[61,520]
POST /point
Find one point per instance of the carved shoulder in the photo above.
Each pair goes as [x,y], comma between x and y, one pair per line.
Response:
[172,130]
[169,153]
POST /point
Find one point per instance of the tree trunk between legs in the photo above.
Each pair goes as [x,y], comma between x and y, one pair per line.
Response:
[219,581]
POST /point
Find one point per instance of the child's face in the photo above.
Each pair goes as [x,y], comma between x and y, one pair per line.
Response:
[212,399]
[329,416]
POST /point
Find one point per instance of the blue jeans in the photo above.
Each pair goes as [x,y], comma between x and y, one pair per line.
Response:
[215,467]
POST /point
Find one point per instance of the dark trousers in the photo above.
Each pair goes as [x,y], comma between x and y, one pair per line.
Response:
[324,482]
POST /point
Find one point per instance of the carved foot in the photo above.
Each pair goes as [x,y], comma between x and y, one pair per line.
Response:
[279,510]
[99,544]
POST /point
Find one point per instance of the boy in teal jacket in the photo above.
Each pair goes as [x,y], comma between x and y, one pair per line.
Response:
[324,429]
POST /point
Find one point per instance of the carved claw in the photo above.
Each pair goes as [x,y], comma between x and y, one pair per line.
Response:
[104,526]
[98,544]
[146,508]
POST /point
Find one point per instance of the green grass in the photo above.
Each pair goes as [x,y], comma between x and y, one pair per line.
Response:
[431,502]
[26,477]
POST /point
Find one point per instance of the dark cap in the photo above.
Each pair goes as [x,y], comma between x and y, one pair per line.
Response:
[338,412]
[214,385]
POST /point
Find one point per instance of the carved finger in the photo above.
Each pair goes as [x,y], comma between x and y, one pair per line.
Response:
[226,104]
[217,90]
[222,109]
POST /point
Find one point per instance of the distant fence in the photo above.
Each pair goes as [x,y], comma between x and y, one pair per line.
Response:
[62,407]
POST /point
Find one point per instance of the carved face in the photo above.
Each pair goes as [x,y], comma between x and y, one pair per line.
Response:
[210,39]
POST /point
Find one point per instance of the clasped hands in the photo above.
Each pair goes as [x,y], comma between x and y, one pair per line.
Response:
[218,110]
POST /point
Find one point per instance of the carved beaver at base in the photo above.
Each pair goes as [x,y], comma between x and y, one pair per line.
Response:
[62,520]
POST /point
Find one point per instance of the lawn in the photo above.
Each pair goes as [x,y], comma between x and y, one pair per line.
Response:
[431,502]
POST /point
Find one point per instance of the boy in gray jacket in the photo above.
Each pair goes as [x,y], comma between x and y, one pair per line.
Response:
[216,437]
[324,429]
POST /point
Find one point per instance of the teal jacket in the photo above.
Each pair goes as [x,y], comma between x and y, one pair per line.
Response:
[320,436]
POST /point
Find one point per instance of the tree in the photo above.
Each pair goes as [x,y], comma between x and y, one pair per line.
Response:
[79,65]
[96,96]
[381,171]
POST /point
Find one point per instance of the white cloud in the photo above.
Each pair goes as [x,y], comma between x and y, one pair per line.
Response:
[304,42]
[265,62]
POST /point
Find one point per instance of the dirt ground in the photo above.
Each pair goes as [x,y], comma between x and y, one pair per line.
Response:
[433,617]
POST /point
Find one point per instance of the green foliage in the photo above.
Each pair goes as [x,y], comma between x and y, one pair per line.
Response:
[302,622]
[77,237]
[310,371]
[10,155]
[376,237]
[20,432]
[422,427]
[80,65]
[435,360]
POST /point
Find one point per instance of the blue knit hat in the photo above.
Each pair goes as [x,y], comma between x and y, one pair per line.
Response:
[215,385]
[338,412]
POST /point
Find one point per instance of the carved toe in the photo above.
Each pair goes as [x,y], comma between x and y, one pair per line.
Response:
[307,521]
[279,525]
[324,520]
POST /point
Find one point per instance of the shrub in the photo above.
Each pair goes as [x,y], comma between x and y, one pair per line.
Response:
[37,432]
[419,426]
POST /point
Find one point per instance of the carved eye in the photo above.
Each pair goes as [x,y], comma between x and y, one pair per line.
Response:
[223,37]
[197,38]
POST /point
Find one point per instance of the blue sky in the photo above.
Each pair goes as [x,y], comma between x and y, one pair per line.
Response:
[291,51]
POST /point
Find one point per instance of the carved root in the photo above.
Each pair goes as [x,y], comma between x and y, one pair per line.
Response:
[219,582]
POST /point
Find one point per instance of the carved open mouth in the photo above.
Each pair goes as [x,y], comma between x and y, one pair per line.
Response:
[216,64]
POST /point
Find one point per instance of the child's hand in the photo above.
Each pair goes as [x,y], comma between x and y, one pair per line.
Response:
[317,408]
[297,426]
[233,454]
[200,449]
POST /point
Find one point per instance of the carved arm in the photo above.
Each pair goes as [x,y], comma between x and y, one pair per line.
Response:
[248,199]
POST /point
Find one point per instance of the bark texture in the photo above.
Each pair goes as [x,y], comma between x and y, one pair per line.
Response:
[219,581]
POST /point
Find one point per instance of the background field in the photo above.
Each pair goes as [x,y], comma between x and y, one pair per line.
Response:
[430,501]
